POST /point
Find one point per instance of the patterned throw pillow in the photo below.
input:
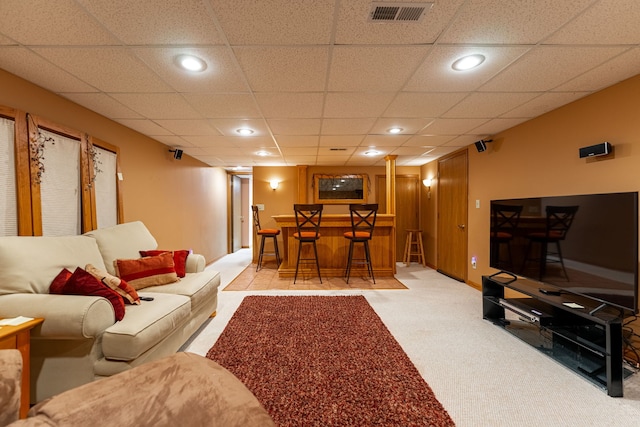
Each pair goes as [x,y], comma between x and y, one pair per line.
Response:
[147,271]
[83,283]
[179,259]
[120,286]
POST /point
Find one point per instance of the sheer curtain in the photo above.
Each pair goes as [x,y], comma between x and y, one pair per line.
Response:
[8,202]
[105,187]
[60,186]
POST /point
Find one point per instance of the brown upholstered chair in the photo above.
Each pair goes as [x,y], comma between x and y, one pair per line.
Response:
[265,233]
[363,221]
[308,217]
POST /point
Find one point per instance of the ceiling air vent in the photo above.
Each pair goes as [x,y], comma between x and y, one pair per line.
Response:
[398,12]
[337,149]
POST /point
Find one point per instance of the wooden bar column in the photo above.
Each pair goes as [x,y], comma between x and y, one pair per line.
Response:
[390,164]
[302,184]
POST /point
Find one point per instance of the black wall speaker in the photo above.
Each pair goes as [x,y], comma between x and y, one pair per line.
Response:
[601,149]
[481,146]
[177,153]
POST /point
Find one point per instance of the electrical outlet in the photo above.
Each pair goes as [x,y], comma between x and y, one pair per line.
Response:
[477,204]
[474,263]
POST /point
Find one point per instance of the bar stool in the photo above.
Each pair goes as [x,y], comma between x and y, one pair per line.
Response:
[363,220]
[414,239]
[308,218]
[265,233]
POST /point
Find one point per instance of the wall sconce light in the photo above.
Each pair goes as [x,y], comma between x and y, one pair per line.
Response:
[274,184]
[427,183]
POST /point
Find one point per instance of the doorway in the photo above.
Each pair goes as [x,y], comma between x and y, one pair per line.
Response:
[452,215]
[239,223]
[407,206]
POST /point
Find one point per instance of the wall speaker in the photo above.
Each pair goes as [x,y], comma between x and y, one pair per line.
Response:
[601,149]
[177,153]
[481,146]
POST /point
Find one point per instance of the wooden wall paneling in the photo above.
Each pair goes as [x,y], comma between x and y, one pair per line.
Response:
[89,218]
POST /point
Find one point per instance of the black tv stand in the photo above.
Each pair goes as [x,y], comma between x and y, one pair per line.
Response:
[587,340]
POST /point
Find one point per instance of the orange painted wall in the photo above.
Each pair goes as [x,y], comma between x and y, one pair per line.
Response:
[183,203]
[540,158]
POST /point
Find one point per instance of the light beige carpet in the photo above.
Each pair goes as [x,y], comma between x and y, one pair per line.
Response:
[267,279]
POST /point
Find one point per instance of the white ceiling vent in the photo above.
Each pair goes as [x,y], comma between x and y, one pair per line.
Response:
[398,12]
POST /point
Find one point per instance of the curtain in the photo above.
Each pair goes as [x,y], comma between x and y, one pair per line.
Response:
[60,186]
[8,202]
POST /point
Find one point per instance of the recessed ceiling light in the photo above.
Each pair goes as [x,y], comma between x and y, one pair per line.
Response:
[371,153]
[263,153]
[468,62]
[245,131]
[395,130]
[191,63]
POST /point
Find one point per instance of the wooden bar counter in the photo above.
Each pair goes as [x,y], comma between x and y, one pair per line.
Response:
[333,247]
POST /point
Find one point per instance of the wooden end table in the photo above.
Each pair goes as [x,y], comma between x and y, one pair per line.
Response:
[18,337]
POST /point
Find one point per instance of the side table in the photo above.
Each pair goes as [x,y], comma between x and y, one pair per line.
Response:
[18,337]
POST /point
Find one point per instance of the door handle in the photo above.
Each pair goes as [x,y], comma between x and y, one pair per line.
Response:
[461,226]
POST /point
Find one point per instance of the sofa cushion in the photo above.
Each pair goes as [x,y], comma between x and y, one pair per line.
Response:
[147,271]
[125,290]
[145,325]
[122,241]
[197,286]
[28,264]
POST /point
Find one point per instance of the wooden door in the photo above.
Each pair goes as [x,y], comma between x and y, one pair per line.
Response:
[407,206]
[452,216]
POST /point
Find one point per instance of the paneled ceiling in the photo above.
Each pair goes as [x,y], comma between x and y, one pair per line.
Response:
[317,81]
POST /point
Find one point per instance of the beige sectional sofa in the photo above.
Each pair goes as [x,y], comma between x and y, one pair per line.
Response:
[80,340]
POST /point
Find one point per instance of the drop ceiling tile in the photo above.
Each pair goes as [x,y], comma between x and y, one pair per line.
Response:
[109,69]
[354,28]
[44,24]
[210,141]
[221,74]
[289,68]
[463,140]
[385,140]
[356,105]
[290,105]
[543,103]
[332,160]
[418,104]
[294,126]
[158,105]
[409,151]
[6,41]
[103,104]
[545,68]
[488,104]
[517,22]
[146,127]
[171,141]
[444,126]
[188,127]
[613,71]
[408,126]
[436,75]
[495,126]
[156,21]
[346,126]
[252,142]
[427,140]
[606,22]
[223,105]
[364,68]
[29,66]
[275,22]
[299,151]
[297,141]
[335,151]
[300,160]
[340,140]
[229,127]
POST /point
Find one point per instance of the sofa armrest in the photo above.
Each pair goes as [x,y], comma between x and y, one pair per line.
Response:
[195,263]
[65,316]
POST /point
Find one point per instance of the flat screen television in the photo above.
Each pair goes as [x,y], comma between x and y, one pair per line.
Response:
[588,246]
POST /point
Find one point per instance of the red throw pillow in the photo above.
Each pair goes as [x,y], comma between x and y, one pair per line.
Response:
[58,283]
[125,290]
[147,271]
[83,283]
[179,259]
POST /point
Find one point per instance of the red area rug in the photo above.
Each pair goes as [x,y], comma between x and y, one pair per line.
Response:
[325,361]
